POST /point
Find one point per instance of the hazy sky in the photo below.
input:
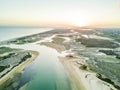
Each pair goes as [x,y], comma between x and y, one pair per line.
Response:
[74,12]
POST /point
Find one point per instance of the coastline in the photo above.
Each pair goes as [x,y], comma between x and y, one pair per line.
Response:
[75,80]
[80,79]
[20,67]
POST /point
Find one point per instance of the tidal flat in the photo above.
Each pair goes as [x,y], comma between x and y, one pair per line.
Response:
[88,59]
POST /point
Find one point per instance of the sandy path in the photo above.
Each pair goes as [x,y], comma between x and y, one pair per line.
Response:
[76,81]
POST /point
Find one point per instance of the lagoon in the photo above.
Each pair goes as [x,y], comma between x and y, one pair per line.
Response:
[46,72]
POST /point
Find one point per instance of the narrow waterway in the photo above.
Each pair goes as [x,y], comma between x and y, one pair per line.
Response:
[46,72]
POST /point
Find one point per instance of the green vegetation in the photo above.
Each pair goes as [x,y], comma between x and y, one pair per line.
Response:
[111,52]
[83,67]
[108,52]
[2,68]
[115,37]
[24,40]
[109,69]
[11,57]
[109,59]
[25,57]
[70,56]
[110,33]
[12,83]
[29,39]
[91,42]
[107,65]
[58,40]
[118,56]
[7,56]
[6,50]
[108,80]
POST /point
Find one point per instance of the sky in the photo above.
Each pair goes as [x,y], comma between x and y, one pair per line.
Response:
[60,12]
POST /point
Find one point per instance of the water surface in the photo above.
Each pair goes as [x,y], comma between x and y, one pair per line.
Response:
[46,72]
[7,33]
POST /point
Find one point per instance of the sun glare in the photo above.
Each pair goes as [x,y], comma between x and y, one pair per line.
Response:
[80,20]
[80,23]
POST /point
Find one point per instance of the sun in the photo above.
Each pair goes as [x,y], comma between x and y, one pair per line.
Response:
[80,19]
[81,22]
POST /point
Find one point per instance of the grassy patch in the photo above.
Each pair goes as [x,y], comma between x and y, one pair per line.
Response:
[109,69]
[58,39]
[111,52]
[24,40]
[2,68]
[91,42]
[6,50]
[109,59]
[113,33]
[7,56]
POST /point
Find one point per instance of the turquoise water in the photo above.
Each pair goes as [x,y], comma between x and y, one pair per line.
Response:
[46,72]
[13,32]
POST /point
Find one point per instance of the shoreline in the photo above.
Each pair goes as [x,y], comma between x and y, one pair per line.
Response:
[76,83]
[20,67]
[80,79]
[58,48]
